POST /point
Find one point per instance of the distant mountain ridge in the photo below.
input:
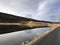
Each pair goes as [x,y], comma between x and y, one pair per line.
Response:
[4,17]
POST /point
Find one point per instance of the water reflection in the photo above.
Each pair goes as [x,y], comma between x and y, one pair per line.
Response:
[16,38]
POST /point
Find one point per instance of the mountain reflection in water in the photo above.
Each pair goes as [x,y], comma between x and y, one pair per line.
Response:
[16,38]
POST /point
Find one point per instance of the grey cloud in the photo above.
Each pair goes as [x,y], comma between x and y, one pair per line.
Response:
[47,12]
[30,8]
[21,7]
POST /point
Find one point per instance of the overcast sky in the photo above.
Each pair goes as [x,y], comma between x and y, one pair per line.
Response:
[48,10]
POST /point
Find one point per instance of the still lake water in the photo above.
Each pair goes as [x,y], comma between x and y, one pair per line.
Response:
[16,38]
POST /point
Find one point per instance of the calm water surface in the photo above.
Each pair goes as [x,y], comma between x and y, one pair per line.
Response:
[16,38]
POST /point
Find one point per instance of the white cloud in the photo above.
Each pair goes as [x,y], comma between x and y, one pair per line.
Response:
[45,11]
[20,7]
[37,9]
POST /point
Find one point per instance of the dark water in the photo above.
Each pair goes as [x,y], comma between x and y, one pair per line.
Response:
[15,38]
[13,28]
